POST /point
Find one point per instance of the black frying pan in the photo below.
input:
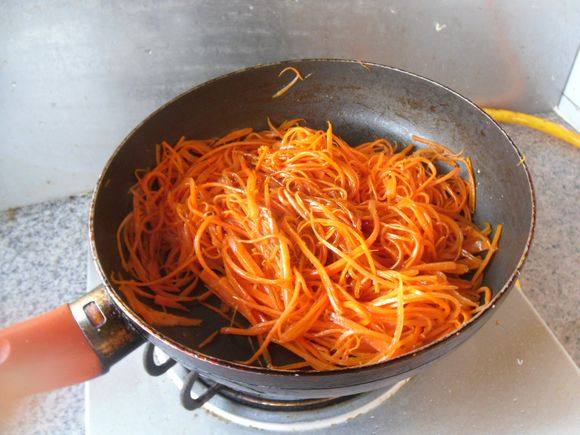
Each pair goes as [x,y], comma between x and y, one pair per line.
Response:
[362,104]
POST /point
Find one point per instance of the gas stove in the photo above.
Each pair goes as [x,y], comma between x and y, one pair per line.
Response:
[511,377]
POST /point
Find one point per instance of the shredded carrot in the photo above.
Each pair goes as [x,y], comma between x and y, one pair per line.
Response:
[208,340]
[364,65]
[286,88]
[345,256]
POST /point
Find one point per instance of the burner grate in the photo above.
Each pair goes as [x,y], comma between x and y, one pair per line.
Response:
[255,412]
[213,388]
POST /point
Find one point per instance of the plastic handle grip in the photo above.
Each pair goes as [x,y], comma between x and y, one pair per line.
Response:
[44,353]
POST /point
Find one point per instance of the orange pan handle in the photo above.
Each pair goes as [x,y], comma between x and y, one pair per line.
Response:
[66,346]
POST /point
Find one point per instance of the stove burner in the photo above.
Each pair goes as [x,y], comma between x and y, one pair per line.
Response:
[273,404]
[279,405]
[213,388]
[258,412]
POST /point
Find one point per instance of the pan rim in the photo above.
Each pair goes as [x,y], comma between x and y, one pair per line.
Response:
[399,360]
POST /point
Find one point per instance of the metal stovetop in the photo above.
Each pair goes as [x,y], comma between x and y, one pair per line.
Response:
[511,377]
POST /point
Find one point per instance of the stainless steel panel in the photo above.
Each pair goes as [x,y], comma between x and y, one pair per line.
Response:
[75,77]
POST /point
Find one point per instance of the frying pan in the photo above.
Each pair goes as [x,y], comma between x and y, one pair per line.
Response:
[83,339]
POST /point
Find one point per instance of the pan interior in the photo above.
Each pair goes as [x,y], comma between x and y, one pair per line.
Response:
[362,105]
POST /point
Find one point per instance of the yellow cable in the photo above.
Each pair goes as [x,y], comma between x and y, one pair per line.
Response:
[534,122]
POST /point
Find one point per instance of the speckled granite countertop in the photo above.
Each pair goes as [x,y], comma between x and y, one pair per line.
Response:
[43,257]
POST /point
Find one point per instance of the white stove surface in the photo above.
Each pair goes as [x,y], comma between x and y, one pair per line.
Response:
[513,376]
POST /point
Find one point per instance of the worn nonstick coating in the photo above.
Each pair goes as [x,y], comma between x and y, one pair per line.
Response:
[362,105]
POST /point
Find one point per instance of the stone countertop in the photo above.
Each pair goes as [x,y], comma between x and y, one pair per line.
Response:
[44,248]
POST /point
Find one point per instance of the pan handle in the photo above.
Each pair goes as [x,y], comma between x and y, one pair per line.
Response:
[66,346]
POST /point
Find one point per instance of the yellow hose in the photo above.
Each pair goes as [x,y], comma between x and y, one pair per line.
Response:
[534,122]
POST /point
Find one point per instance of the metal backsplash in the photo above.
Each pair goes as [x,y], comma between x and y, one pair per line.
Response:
[75,77]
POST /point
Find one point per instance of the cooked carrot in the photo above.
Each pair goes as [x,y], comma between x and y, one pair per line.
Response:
[297,76]
[208,340]
[343,255]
